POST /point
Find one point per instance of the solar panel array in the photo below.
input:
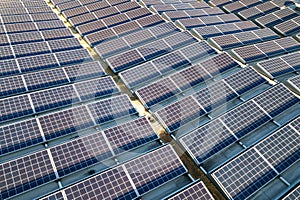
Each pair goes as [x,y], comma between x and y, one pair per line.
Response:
[263,162]
[67,132]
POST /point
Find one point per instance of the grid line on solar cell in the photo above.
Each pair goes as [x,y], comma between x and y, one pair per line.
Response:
[12,85]
[65,122]
[54,98]
[179,113]
[157,92]
[244,175]
[19,135]
[245,118]
[25,173]
[281,149]
[244,80]
[127,136]
[208,140]
[111,109]
[112,184]
[196,191]
[80,153]
[155,168]
[96,88]
[15,107]
[215,95]
[276,100]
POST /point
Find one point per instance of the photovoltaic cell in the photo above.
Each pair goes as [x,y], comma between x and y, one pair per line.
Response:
[245,118]
[208,140]
[125,137]
[80,153]
[179,113]
[54,98]
[241,185]
[281,149]
[112,184]
[65,122]
[96,88]
[15,107]
[196,191]
[25,173]
[19,135]
[155,168]
[111,109]
[157,92]
[276,100]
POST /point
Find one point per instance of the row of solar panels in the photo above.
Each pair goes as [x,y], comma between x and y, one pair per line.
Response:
[62,122]
[24,10]
[247,173]
[126,181]
[23,3]
[49,78]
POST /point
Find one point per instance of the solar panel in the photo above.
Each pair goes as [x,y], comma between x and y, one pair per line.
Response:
[190,23]
[234,7]
[154,169]
[286,14]
[207,32]
[11,86]
[179,113]
[56,34]
[250,53]
[25,173]
[275,67]
[26,37]
[266,34]
[197,51]
[13,11]
[43,17]
[287,28]
[276,100]
[8,67]
[196,191]
[288,44]
[125,137]
[15,107]
[126,28]
[96,88]
[54,98]
[98,37]
[19,135]
[44,79]
[106,12]
[49,25]
[174,15]
[97,5]
[64,44]
[73,56]
[189,77]
[268,20]
[154,49]
[246,25]
[125,60]
[20,27]
[138,13]
[170,62]
[219,64]
[82,19]
[80,153]
[30,49]
[38,62]
[57,196]
[208,140]
[11,19]
[84,71]
[281,149]
[157,92]
[245,118]
[44,9]
[6,52]
[68,5]
[140,74]
[159,8]
[91,27]
[295,81]
[123,7]
[65,122]
[150,21]
[244,175]
[292,194]
[111,109]
[226,42]
[112,184]
[293,60]
[180,39]
[214,96]
[112,47]
[248,37]
[244,80]
[140,37]
[164,29]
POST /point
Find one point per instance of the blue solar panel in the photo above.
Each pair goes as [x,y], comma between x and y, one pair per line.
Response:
[11,85]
